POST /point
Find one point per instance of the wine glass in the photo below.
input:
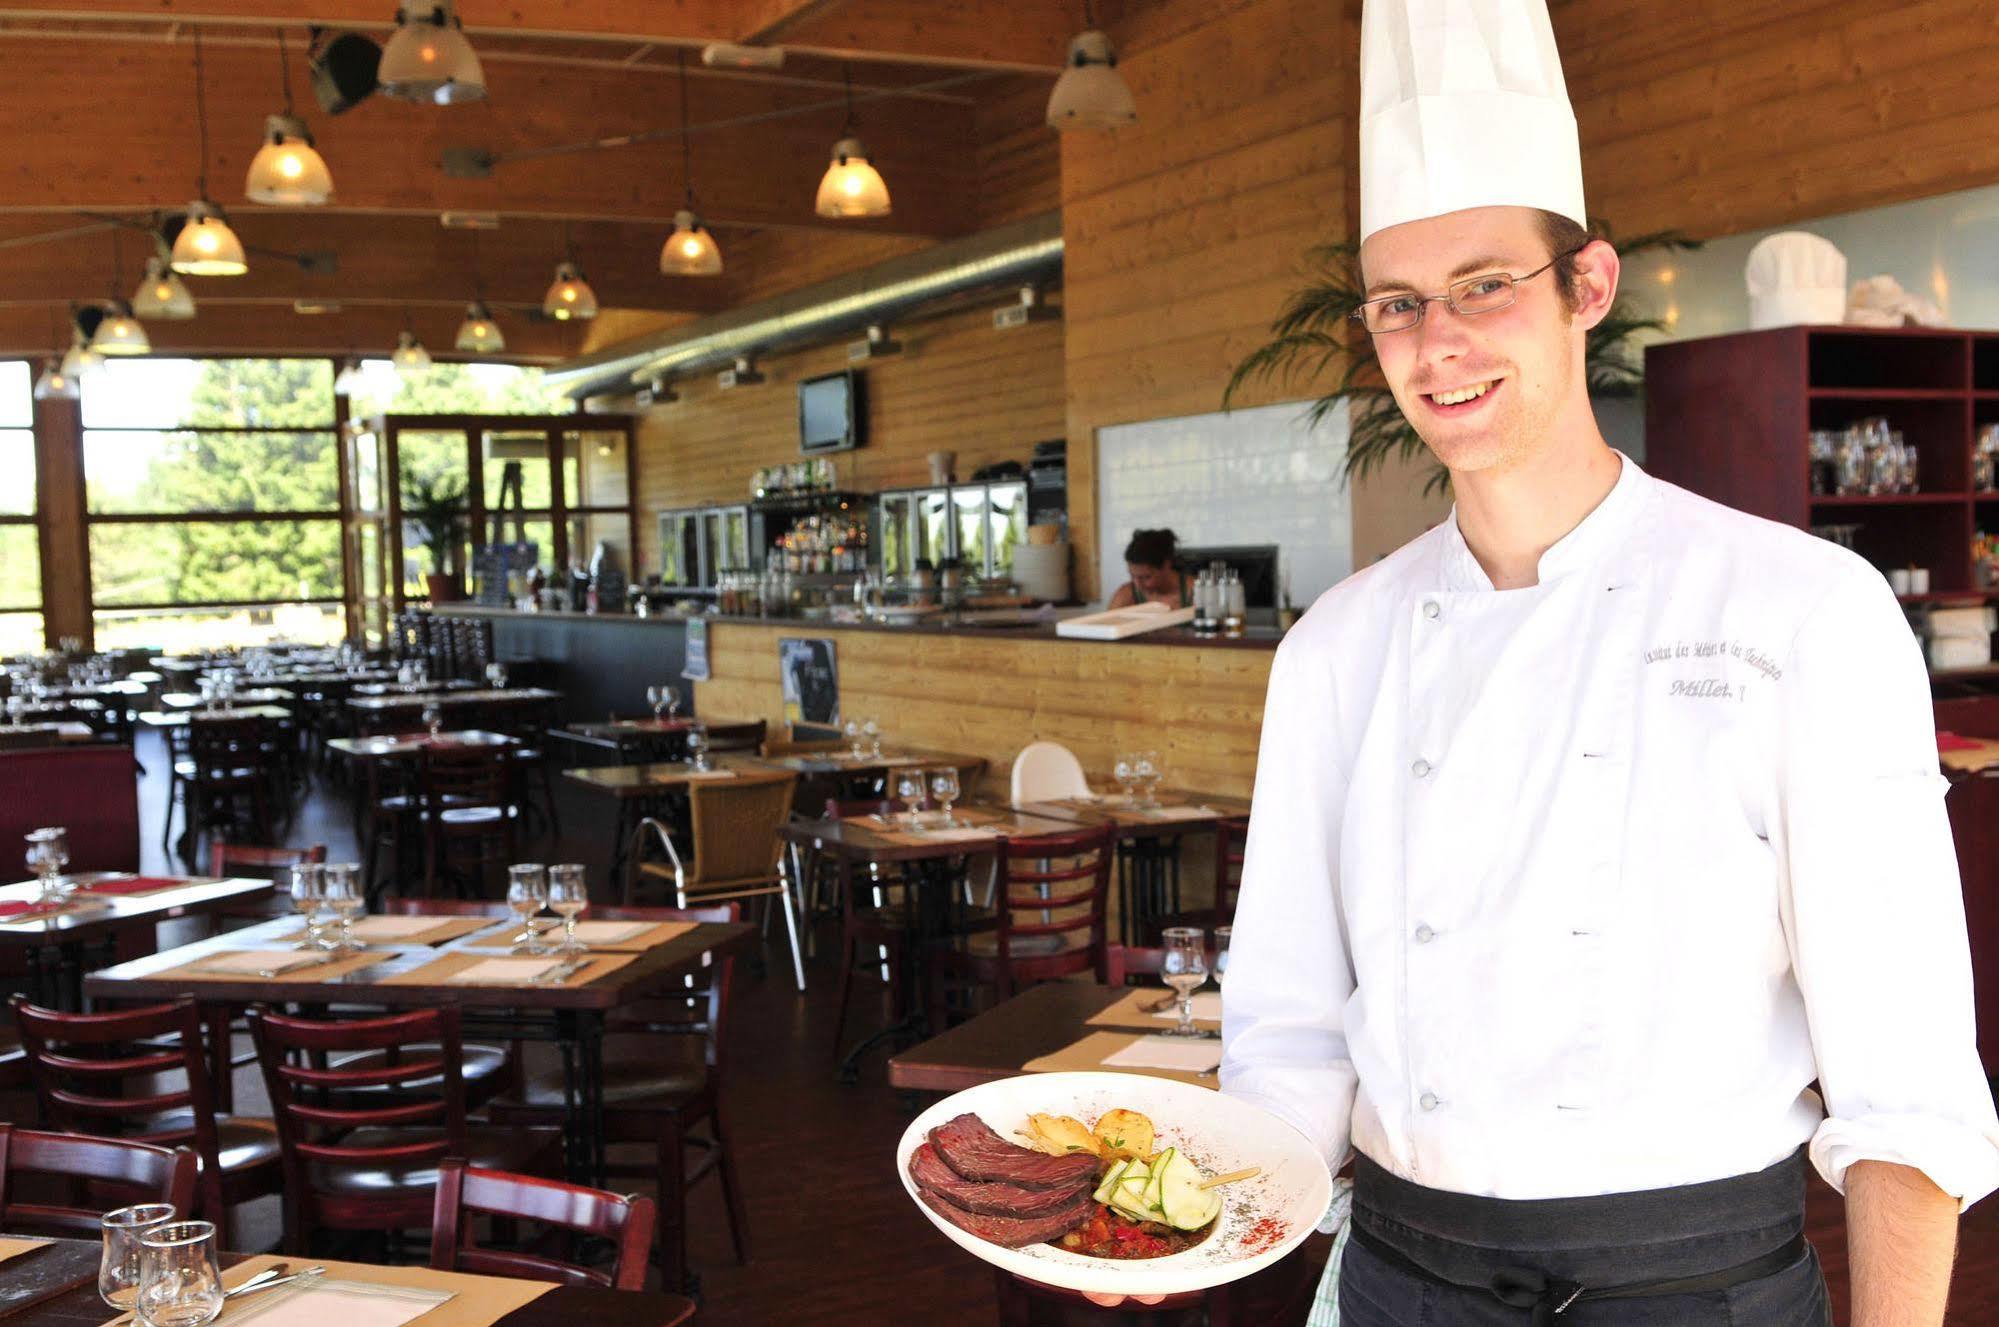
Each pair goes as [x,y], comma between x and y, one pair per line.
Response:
[1145,769]
[673,702]
[433,719]
[309,897]
[568,896]
[1125,771]
[697,748]
[527,895]
[909,791]
[1222,936]
[496,676]
[180,1276]
[857,745]
[656,697]
[873,732]
[944,788]
[118,1269]
[1185,969]
[341,883]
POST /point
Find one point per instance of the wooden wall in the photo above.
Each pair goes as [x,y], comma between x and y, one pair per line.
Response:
[1199,707]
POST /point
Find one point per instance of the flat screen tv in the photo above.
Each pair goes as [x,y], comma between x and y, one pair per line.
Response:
[830,412]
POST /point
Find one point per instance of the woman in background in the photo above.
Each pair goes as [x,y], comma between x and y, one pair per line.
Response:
[1151,559]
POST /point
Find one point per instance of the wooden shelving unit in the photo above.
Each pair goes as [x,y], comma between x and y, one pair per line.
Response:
[1731,417]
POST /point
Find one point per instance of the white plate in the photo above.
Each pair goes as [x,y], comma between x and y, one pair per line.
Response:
[1262,1219]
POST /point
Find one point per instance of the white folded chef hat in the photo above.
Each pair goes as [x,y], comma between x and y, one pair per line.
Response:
[1462,104]
[1795,277]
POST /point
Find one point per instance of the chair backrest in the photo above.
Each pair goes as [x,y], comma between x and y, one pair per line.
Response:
[1052,900]
[735,826]
[811,732]
[1123,962]
[1230,837]
[624,1219]
[468,775]
[251,859]
[112,1173]
[226,744]
[739,739]
[1047,772]
[314,1107]
[91,790]
[440,907]
[101,1074]
[702,1007]
[774,747]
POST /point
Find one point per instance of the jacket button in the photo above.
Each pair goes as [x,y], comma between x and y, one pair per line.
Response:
[1424,935]
[1432,609]
[1421,769]
[1428,1101]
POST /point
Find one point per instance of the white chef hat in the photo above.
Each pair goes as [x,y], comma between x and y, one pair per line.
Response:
[1462,105]
[1795,277]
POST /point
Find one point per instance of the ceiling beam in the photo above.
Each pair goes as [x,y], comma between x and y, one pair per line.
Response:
[767,21]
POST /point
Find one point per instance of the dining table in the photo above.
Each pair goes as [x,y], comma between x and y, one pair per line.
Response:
[51,732]
[181,718]
[1148,832]
[658,735]
[659,788]
[108,912]
[54,1284]
[446,699]
[188,700]
[452,967]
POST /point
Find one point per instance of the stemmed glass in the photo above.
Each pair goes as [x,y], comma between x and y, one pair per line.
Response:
[180,1276]
[568,896]
[857,745]
[118,1269]
[659,697]
[48,853]
[309,898]
[1146,771]
[1125,771]
[433,719]
[496,676]
[342,886]
[1185,969]
[909,791]
[527,895]
[944,789]
[697,749]
[873,732]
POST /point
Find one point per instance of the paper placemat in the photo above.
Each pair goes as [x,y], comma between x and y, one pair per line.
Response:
[476,1301]
[410,930]
[615,936]
[449,970]
[243,965]
[1135,1010]
[1101,1050]
[15,910]
[1175,813]
[13,1247]
[141,884]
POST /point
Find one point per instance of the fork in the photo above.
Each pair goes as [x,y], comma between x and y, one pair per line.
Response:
[563,973]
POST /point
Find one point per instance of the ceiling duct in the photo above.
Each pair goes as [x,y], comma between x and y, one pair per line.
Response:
[1024,253]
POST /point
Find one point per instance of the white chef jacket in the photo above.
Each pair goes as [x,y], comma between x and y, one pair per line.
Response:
[1574,889]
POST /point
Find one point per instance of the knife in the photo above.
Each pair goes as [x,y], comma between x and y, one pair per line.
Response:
[563,973]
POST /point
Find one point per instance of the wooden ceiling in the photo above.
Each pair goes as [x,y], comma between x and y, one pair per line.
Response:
[98,115]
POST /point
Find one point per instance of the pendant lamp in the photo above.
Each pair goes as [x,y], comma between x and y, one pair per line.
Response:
[851,187]
[1091,94]
[349,377]
[569,295]
[691,250]
[287,170]
[79,359]
[162,296]
[205,246]
[409,357]
[54,384]
[479,333]
[428,57]
[118,331]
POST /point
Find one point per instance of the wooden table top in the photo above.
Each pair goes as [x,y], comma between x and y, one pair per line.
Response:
[187,700]
[143,979]
[417,700]
[389,747]
[385,684]
[60,1282]
[865,841]
[1134,822]
[627,730]
[651,780]
[181,718]
[99,914]
[62,730]
[993,1045]
[841,763]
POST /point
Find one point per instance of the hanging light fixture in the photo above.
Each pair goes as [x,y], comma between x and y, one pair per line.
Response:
[428,57]
[162,296]
[691,250]
[479,333]
[287,170]
[349,378]
[1091,94]
[409,357]
[118,331]
[54,384]
[205,246]
[569,295]
[79,359]
[851,187]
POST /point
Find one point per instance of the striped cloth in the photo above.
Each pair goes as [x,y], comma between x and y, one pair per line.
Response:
[1326,1303]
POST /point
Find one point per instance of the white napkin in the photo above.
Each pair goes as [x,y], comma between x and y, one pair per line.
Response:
[1179,813]
[262,960]
[958,834]
[610,933]
[395,928]
[1193,1055]
[350,1306]
[1207,1004]
[506,971]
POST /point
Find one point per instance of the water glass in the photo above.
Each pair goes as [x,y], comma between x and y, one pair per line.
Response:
[1145,770]
[118,1271]
[527,895]
[697,748]
[872,731]
[1185,968]
[857,744]
[568,896]
[657,697]
[433,719]
[48,854]
[341,884]
[1125,771]
[944,789]
[180,1275]
[496,676]
[309,897]
[909,791]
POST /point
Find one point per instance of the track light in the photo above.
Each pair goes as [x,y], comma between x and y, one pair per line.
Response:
[428,57]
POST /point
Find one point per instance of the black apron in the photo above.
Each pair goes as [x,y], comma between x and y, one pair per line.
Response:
[1728,1251]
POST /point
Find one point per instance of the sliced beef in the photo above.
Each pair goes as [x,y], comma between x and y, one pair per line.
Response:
[1012,1231]
[970,1147]
[933,1176]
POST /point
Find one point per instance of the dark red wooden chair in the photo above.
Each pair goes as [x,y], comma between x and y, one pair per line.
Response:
[256,862]
[663,1079]
[624,1219]
[361,1143]
[1230,838]
[109,1173]
[101,1074]
[469,812]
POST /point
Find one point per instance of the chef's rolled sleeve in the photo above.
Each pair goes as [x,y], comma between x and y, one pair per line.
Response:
[1290,973]
[1871,901]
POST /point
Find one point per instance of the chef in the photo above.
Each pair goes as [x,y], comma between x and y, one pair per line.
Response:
[1598,879]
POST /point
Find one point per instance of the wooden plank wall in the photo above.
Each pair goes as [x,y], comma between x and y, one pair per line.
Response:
[1199,707]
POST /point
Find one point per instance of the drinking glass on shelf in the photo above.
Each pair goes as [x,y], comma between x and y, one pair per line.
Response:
[697,748]
[1222,936]
[1185,968]
[180,1275]
[309,897]
[857,744]
[568,896]
[944,789]
[341,883]
[873,732]
[118,1267]
[496,676]
[527,895]
[1125,771]
[1145,769]
[909,791]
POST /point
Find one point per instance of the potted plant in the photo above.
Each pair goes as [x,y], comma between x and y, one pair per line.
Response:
[436,509]
[1316,334]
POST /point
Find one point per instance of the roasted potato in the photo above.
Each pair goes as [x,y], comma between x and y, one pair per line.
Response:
[1062,1134]
[1124,1133]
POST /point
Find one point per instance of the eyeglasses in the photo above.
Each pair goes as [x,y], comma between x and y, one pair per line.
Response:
[1475,294]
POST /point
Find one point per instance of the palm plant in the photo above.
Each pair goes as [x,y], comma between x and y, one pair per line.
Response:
[1316,337]
[436,508]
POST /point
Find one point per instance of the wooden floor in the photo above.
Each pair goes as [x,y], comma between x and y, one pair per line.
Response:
[834,1239]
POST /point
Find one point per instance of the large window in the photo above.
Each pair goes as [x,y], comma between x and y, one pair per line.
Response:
[214,502]
[20,546]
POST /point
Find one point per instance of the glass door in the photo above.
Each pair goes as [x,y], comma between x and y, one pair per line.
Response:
[932,536]
[1006,524]
[736,539]
[968,515]
[679,549]
[367,544]
[429,485]
[897,511]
